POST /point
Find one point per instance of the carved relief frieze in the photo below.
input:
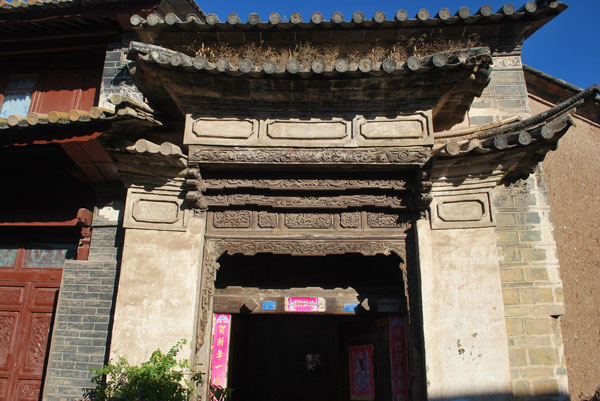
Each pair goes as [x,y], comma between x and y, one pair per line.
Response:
[327,202]
[350,220]
[367,156]
[386,220]
[232,219]
[302,184]
[267,220]
[257,222]
[308,220]
[507,62]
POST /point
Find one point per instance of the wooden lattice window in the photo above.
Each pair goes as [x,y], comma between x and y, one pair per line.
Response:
[17,94]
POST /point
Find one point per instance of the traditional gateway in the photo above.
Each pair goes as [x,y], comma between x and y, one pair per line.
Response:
[315,203]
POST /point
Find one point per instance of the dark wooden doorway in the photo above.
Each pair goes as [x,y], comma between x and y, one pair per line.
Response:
[276,354]
[303,358]
[31,262]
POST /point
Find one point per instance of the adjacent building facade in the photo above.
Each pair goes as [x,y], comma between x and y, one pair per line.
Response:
[352,207]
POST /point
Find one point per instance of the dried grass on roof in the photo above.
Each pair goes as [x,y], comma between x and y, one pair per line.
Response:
[305,52]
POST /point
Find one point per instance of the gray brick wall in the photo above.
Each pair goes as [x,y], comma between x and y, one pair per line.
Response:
[115,76]
[83,319]
[505,96]
[532,289]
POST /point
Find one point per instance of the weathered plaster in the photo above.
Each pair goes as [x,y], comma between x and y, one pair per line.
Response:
[158,291]
[463,316]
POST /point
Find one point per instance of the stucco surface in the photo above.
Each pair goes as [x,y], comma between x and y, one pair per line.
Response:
[158,291]
[574,190]
[464,327]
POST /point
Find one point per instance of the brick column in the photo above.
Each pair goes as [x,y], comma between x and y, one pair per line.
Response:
[532,289]
[80,338]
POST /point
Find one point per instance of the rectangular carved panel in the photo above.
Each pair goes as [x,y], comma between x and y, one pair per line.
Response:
[272,129]
[308,220]
[461,211]
[312,132]
[157,210]
[393,131]
[221,130]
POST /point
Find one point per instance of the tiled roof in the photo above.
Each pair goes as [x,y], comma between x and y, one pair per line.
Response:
[443,60]
[547,126]
[175,7]
[400,20]
[72,117]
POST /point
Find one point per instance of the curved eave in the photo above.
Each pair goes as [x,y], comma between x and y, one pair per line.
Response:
[542,130]
[449,60]
[67,126]
[21,6]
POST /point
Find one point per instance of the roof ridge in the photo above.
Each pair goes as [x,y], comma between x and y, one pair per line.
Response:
[423,17]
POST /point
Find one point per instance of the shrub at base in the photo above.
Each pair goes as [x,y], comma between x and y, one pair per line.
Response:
[162,378]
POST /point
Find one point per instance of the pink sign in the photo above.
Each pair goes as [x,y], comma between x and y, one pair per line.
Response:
[398,359]
[220,350]
[362,380]
[304,304]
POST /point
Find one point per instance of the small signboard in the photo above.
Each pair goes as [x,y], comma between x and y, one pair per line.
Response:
[390,305]
[220,349]
[398,359]
[304,304]
[269,305]
[350,306]
[362,380]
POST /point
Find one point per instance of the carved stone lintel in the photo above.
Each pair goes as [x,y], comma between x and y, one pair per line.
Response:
[267,220]
[232,219]
[367,156]
[215,248]
[302,184]
[329,202]
[308,220]
[350,220]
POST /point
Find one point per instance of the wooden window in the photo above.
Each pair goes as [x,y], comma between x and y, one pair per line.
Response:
[17,95]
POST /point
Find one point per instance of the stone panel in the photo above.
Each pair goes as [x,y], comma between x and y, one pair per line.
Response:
[154,210]
[461,211]
[273,130]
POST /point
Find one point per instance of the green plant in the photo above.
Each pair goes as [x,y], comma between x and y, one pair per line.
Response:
[162,378]
[219,393]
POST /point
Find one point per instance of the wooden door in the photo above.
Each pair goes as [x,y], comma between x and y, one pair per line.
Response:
[29,283]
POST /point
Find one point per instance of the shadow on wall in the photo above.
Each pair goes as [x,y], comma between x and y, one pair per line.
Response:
[543,396]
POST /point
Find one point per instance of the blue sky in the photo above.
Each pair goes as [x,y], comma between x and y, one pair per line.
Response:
[568,47]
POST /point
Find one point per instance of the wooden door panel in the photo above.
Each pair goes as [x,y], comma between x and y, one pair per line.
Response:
[33,351]
[28,390]
[44,297]
[3,389]
[11,296]
[8,330]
